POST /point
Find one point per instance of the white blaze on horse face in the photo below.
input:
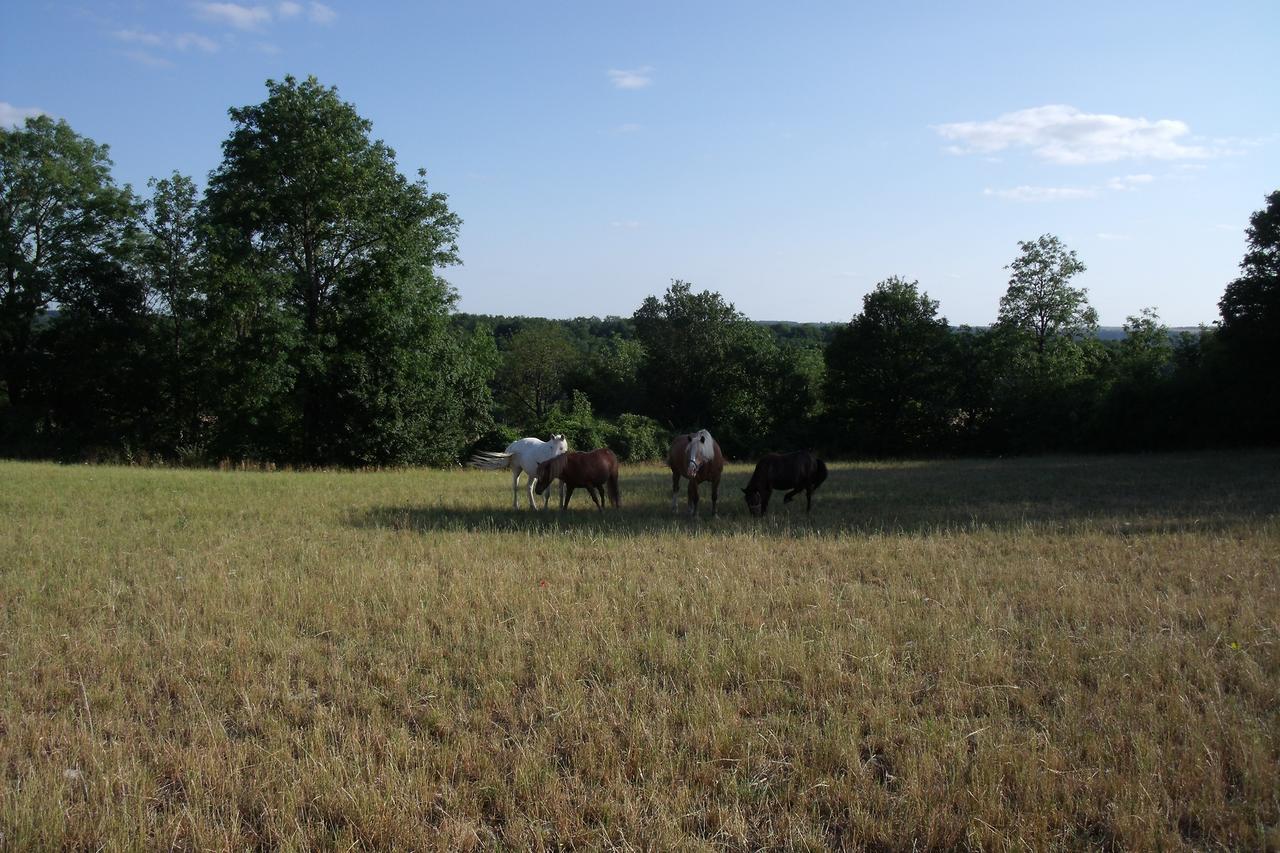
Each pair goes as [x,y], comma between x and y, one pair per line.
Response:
[701,451]
[693,457]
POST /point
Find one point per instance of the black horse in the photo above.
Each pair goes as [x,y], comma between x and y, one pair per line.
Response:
[800,471]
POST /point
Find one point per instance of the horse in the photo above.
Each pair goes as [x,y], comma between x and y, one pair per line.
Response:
[697,456]
[522,456]
[595,470]
[800,471]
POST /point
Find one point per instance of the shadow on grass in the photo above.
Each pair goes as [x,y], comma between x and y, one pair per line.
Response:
[1124,495]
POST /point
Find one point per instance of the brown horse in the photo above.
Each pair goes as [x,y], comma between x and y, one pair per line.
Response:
[800,471]
[594,470]
[695,455]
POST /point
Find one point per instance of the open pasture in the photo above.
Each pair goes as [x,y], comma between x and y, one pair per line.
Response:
[1001,654]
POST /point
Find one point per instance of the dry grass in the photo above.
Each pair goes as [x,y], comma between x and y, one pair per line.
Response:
[1008,654]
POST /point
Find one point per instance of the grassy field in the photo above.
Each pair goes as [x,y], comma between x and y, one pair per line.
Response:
[1029,654]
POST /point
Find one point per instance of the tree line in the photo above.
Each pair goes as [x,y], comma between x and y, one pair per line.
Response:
[295,312]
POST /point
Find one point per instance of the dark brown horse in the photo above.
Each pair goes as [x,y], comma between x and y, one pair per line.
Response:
[800,471]
[594,470]
[695,455]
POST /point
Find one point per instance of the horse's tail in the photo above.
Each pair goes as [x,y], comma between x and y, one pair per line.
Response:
[487,461]
[614,496]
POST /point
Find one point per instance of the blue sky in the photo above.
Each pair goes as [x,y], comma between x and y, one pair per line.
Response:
[787,155]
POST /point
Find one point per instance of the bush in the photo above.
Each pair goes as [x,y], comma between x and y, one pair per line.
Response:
[636,438]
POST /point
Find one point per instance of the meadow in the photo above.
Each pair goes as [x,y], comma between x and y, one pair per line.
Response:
[1062,652]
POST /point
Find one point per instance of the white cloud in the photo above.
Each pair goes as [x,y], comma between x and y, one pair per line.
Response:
[139,37]
[150,60]
[235,15]
[168,41]
[1025,193]
[636,78]
[11,116]
[321,14]
[1128,182]
[289,9]
[1065,135]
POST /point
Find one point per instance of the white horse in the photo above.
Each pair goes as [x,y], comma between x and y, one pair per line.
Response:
[523,456]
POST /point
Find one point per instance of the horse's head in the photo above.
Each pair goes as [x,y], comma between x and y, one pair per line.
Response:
[697,446]
[558,440]
[543,476]
[754,503]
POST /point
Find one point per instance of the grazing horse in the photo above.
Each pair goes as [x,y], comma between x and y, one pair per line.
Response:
[697,456]
[800,471]
[522,456]
[594,470]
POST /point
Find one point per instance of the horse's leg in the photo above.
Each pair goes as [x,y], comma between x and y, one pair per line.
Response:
[529,480]
[675,489]
[515,487]
[786,499]
[764,501]
[561,494]
[568,496]
[693,498]
[597,496]
[715,496]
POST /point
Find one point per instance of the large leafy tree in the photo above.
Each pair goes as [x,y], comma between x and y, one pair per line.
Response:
[1250,332]
[63,225]
[887,390]
[532,376]
[1041,310]
[1046,346]
[173,265]
[706,365]
[334,314]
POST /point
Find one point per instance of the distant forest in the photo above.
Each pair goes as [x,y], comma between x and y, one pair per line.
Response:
[295,313]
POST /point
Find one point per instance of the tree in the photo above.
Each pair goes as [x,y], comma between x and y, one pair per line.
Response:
[334,317]
[534,367]
[1046,349]
[704,366]
[1041,309]
[172,258]
[886,385]
[62,220]
[1146,349]
[1251,303]
[1137,411]
[1250,332]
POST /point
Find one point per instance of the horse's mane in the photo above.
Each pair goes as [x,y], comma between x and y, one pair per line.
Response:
[555,465]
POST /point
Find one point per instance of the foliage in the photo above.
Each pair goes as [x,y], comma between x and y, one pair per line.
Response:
[64,225]
[1047,347]
[332,254]
[533,370]
[703,364]
[173,265]
[296,313]
[1250,309]
[885,372]
[1049,326]
[636,438]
